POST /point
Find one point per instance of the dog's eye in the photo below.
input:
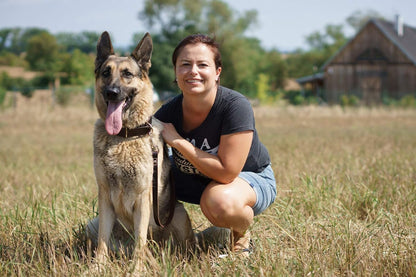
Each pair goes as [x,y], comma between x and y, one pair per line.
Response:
[106,73]
[127,74]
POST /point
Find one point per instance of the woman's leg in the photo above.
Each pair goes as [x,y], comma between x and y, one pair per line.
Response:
[230,206]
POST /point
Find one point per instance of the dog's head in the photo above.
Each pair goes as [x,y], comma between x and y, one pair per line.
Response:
[123,89]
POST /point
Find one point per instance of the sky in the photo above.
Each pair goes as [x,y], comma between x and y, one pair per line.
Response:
[282,25]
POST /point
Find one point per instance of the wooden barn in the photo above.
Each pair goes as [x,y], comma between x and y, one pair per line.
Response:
[379,61]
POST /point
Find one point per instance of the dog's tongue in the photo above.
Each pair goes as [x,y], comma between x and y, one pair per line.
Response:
[113,122]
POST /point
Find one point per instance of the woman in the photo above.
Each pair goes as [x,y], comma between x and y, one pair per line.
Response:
[219,162]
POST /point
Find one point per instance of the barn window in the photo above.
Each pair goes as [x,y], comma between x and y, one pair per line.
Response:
[371,54]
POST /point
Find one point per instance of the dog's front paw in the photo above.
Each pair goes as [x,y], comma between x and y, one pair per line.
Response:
[99,264]
[97,268]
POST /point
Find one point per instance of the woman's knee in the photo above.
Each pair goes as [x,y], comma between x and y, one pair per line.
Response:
[217,201]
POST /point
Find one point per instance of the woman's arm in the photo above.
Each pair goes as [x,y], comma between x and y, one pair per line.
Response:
[224,167]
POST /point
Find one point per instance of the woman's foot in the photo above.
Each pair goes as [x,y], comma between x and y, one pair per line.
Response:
[241,243]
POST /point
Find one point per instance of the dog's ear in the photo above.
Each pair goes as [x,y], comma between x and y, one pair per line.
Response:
[104,49]
[143,52]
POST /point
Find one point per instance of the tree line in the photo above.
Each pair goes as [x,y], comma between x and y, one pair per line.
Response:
[247,67]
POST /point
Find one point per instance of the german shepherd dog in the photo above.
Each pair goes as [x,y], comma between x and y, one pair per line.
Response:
[125,160]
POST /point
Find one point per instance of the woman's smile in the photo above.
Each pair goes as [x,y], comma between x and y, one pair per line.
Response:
[195,70]
[194,81]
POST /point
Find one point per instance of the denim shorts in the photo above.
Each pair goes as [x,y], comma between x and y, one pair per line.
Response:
[264,185]
[189,188]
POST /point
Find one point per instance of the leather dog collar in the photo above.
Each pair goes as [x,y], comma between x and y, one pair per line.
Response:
[141,130]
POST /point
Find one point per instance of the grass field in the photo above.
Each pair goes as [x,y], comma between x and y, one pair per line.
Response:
[346,201]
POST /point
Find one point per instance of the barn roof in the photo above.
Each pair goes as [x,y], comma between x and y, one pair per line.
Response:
[311,78]
[406,43]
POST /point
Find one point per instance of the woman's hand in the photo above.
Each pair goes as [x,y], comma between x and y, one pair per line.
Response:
[169,133]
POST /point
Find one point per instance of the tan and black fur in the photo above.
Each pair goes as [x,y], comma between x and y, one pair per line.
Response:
[123,166]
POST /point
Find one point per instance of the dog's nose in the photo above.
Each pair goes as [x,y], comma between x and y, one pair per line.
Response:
[112,93]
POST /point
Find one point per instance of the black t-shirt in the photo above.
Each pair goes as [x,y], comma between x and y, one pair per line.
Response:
[231,113]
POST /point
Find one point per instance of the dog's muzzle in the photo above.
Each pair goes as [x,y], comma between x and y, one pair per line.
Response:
[113,94]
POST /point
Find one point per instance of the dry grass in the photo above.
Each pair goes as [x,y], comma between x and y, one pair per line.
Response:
[346,200]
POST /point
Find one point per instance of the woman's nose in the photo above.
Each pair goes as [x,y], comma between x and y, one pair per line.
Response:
[194,69]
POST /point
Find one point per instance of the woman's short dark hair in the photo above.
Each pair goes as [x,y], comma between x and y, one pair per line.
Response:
[195,39]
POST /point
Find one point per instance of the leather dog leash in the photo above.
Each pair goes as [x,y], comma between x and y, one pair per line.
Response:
[146,129]
[172,202]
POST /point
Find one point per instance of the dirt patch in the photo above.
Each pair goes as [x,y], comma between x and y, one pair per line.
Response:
[18,72]
[291,84]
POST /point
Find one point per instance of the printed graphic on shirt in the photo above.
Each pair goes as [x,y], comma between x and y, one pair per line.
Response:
[184,165]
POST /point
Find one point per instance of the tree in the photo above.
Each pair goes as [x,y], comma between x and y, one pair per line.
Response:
[302,63]
[79,67]
[323,45]
[329,41]
[262,87]
[84,41]
[15,40]
[242,60]
[172,20]
[4,38]
[42,52]
[276,68]
[359,18]
[172,16]
[11,59]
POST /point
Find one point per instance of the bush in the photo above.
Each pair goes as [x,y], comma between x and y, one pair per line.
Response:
[64,94]
[297,100]
[354,100]
[27,89]
[10,59]
[349,101]
[312,100]
[6,81]
[294,97]
[42,81]
[408,101]
[2,95]
[388,101]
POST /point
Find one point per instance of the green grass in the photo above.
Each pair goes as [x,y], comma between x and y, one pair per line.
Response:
[346,201]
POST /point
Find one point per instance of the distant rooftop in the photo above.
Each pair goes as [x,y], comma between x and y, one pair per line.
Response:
[405,42]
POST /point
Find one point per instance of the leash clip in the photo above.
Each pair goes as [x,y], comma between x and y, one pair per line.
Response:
[150,127]
[155,152]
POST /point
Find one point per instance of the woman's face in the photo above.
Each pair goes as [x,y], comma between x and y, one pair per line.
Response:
[195,69]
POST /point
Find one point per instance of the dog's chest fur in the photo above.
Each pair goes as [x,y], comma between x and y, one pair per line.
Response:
[125,166]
